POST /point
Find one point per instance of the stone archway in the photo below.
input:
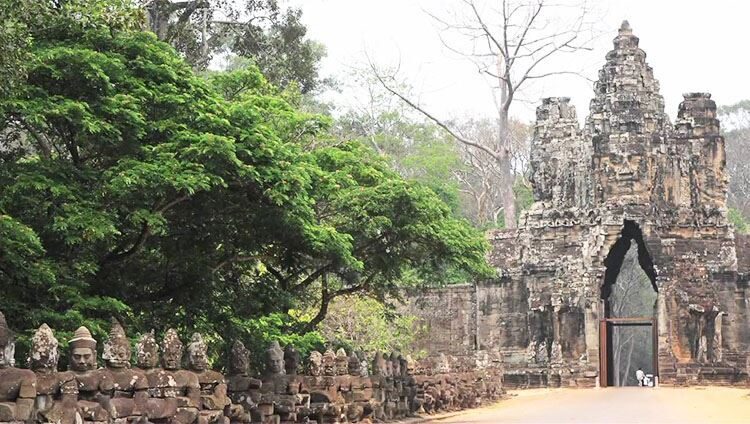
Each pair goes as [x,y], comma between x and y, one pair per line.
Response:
[629,307]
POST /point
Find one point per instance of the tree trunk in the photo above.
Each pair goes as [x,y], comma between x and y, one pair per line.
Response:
[158,15]
[504,152]
[626,375]
[325,300]
[616,356]
[506,176]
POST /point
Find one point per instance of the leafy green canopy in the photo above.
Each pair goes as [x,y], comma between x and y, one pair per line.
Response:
[359,323]
[131,187]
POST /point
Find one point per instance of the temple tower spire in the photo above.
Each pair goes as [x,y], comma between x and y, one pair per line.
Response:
[627,95]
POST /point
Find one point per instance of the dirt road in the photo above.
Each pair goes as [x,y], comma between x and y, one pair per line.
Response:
[623,405]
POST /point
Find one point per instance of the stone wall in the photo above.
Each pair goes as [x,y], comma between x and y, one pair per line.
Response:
[627,175]
[330,388]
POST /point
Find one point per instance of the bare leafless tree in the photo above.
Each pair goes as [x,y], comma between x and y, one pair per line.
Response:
[735,121]
[510,43]
[480,178]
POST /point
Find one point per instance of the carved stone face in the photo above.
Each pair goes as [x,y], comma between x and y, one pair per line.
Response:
[355,366]
[147,352]
[44,354]
[442,364]
[342,362]
[364,365]
[171,351]
[82,351]
[395,365]
[379,365]
[316,363]
[274,359]
[411,365]
[116,356]
[116,352]
[197,353]
[82,359]
[329,363]
[239,359]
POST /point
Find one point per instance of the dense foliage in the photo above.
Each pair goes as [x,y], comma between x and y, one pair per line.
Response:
[359,323]
[272,36]
[131,187]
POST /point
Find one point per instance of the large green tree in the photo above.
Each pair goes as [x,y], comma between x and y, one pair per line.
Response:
[270,35]
[129,186]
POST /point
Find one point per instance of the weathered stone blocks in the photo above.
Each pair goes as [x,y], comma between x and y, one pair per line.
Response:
[628,174]
[337,387]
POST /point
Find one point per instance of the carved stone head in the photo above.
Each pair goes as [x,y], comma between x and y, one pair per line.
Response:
[7,345]
[197,353]
[315,367]
[395,364]
[274,359]
[364,365]
[342,362]
[239,359]
[82,350]
[411,365]
[355,366]
[44,353]
[442,365]
[388,365]
[329,363]
[171,350]
[147,351]
[116,350]
[291,360]
[379,365]
[403,365]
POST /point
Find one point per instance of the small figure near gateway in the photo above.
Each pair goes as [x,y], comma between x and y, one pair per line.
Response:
[640,376]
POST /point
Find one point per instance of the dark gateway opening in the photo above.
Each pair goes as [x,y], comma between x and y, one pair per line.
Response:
[629,297]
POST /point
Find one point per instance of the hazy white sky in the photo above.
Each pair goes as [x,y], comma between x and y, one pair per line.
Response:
[692,46]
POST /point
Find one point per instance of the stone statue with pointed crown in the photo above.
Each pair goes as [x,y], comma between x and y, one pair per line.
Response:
[56,392]
[342,362]
[177,382]
[161,403]
[278,388]
[212,384]
[315,364]
[329,362]
[243,390]
[130,395]
[274,359]
[379,366]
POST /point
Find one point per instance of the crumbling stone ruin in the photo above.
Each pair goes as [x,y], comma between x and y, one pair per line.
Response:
[629,175]
[330,388]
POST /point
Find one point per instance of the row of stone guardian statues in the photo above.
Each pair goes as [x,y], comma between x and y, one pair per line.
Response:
[335,387]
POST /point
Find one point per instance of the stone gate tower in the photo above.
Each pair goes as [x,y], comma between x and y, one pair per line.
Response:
[629,175]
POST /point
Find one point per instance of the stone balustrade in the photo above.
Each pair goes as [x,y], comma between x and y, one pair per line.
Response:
[333,387]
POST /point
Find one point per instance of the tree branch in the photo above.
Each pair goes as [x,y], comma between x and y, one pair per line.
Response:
[431,117]
[310,279]
[143,235]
